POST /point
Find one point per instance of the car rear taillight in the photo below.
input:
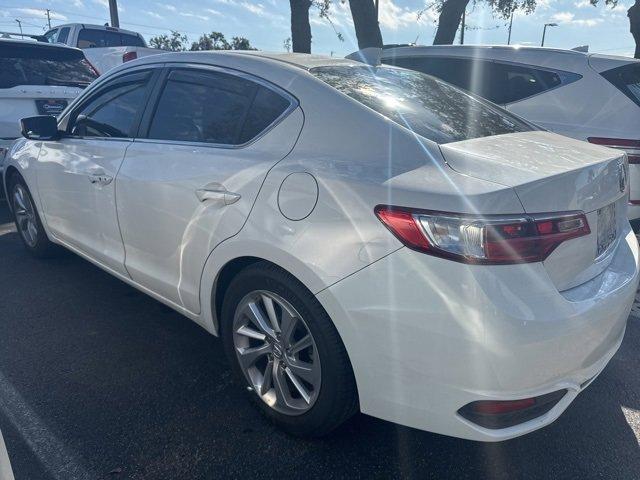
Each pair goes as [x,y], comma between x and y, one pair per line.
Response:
[490,239]
[128,56]
[631,147]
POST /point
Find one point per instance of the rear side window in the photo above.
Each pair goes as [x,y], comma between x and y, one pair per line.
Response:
[64,35]
[214,107]
[498,82]
[114,110]
[423,104]
[626,79]
[92,38]
[38,64]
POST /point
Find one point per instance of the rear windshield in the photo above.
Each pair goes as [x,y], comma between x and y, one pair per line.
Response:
[92,38]
[626,79]
[43,65]
[425,105]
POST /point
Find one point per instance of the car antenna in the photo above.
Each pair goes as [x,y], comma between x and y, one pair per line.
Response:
[370,56]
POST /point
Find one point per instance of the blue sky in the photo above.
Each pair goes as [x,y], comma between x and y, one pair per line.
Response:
[266,22]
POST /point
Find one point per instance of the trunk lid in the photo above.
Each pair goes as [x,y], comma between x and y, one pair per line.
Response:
[30,100]
[554,174]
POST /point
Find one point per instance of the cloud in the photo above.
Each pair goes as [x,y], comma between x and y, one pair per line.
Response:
[204,18]
[105,4]
[212,11]
[37,12]
[166,6]
[154,14]
[569,18]
[562,17]
[260,10]
[582,4]
[394,17]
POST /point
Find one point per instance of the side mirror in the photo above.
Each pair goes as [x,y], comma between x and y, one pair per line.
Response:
[42,127]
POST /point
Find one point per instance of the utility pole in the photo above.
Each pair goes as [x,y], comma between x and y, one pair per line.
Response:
[510,25]
[113,11]
[377,4]
[20,25]
[49,18]
[464,19]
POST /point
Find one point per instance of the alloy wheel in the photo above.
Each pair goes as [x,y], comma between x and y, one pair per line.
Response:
[25,215]
[276,352]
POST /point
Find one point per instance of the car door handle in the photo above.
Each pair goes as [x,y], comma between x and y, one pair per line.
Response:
[100,178]
[217,193]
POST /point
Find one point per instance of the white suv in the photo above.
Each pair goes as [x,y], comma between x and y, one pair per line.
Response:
[585,96]
[37,78]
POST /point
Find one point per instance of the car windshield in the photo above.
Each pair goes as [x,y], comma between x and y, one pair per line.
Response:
[425,105]
[34,64]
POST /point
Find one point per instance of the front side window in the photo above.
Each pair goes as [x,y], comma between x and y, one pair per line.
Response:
[214,107]
[423,104]
[40,64]
[114,111]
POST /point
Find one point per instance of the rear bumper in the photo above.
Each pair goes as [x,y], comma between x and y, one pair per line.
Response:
[428,336]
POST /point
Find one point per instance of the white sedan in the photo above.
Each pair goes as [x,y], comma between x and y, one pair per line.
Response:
[362,238]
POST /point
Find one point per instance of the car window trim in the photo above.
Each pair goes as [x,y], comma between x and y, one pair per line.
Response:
[98,90]
[392,58]
[152,104]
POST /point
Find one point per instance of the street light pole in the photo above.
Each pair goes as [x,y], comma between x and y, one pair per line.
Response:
[20,25]
[113,11]
[544,31]
[49,18]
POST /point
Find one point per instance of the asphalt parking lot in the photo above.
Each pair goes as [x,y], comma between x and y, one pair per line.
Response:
[100,381]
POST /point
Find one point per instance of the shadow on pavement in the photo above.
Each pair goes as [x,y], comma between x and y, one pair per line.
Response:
[100,381]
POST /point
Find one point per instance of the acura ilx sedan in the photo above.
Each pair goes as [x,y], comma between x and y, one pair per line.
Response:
[362,237]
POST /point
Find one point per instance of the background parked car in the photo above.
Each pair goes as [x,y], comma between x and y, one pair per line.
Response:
[585,96]
[37,79]
[104,46]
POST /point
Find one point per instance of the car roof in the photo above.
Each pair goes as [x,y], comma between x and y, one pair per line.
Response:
[35,44]
[560,59]
[97,27]
[476,49]
[303,61]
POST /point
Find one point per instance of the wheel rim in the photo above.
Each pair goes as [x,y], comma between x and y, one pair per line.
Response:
[25,215]
[276,352]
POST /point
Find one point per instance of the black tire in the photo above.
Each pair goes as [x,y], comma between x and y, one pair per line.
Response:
[337,399]
[43,247]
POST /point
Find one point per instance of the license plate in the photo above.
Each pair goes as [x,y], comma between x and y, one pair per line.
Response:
[51,106]
[607,227]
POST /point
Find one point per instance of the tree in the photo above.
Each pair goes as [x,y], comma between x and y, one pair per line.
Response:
[300,25]
[241,43]
[176,42]
[365,20]
[217,41]
[211,41]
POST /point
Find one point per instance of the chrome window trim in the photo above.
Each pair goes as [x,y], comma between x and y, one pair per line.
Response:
[293,105]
